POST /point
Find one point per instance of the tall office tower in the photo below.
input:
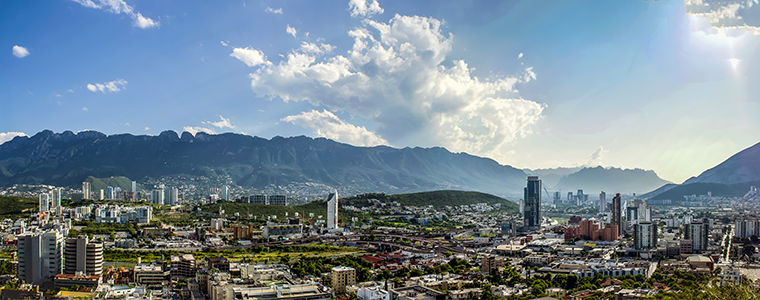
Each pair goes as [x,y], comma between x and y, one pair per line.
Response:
[556,199]
[617,216]
[522,206]
[109,193]
[602,201]
[39,256]
[698,231]
[580,198]
[226,193]
[332,211]
[55,201]
[570,197]
[83,255]
[645,213]
[532,214]
[44,202]
[173,197]
[134,187]
[158,196]
[645,236]
[86,190]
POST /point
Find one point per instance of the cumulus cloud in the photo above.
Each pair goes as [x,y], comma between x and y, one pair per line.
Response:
[120,7]
[221,124]
[20,52]
[274,11]
[249,56]
[290,30]
[364,8]
[84,109]
[326,124]
[395,76]
[7,136]
[111,86]
[195,129]
[735,15]
[595,159]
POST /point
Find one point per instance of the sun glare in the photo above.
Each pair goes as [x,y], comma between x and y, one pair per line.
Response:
[734,62]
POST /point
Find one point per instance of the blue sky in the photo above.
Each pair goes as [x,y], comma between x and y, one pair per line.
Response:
[664,85]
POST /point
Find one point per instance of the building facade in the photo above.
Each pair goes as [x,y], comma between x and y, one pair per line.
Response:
[40,256]
[532,193]
[645,236]
[83,257]
[332,211]
[341,277]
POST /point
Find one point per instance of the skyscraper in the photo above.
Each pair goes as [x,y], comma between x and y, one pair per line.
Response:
[602,202]
[39,256]
[617,216]
[86,190]
[532,214]
[332,211]
[226,193]
[158,196]
[645,236]
[55,201]
[173,197]
[557,199]
[44,202]
[83,255]
[134,188]
[580,198]
[110,193]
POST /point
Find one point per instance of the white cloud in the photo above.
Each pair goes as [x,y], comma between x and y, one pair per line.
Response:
[7,136]
[722,15]
[221,124]
[20,52]
[195,129]
[147,128]
[395,76]
[316,49]
[519,56]
[364,8]
[71,91]
[274,11]
[120,7]
[58,95]
[326,124]
[595,159]
[290,30]
[111,86]
[250,56]
[84,108]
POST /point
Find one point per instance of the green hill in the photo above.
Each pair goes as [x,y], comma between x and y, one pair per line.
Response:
[435,198]
[12,207]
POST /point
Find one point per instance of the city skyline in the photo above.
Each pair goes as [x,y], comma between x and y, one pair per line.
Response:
[644,84]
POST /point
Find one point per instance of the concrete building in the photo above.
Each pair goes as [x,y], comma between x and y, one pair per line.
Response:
[416,293]
[151,275]
[158,196]
[698,232]
[602,202]
[110,194]
[532,193]
[277,200]
[747,228]
[488,264]
[44,202]
[86,190]
[83,257]
[55,201]
[226,193]
[276,230]
[182,267]
[373,292]
[173,197]
[617,213]
[341,277]
[332,211]
[258,199]
[645,236]
[40,256]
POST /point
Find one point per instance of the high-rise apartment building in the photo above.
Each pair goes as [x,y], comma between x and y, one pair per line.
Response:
[226,193]
[602,202]
[44,202]
[40,256]
[645,236]
[332,211]
[83,256]
[110,194]
[55,201]
[182,267]
[617,216]
[341,277]
[134,187]
[532,193]
[698,232]
[173,198]
[158,196]
[86,190]
[580,198]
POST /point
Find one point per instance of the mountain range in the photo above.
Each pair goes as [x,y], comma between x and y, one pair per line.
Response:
[67,159]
